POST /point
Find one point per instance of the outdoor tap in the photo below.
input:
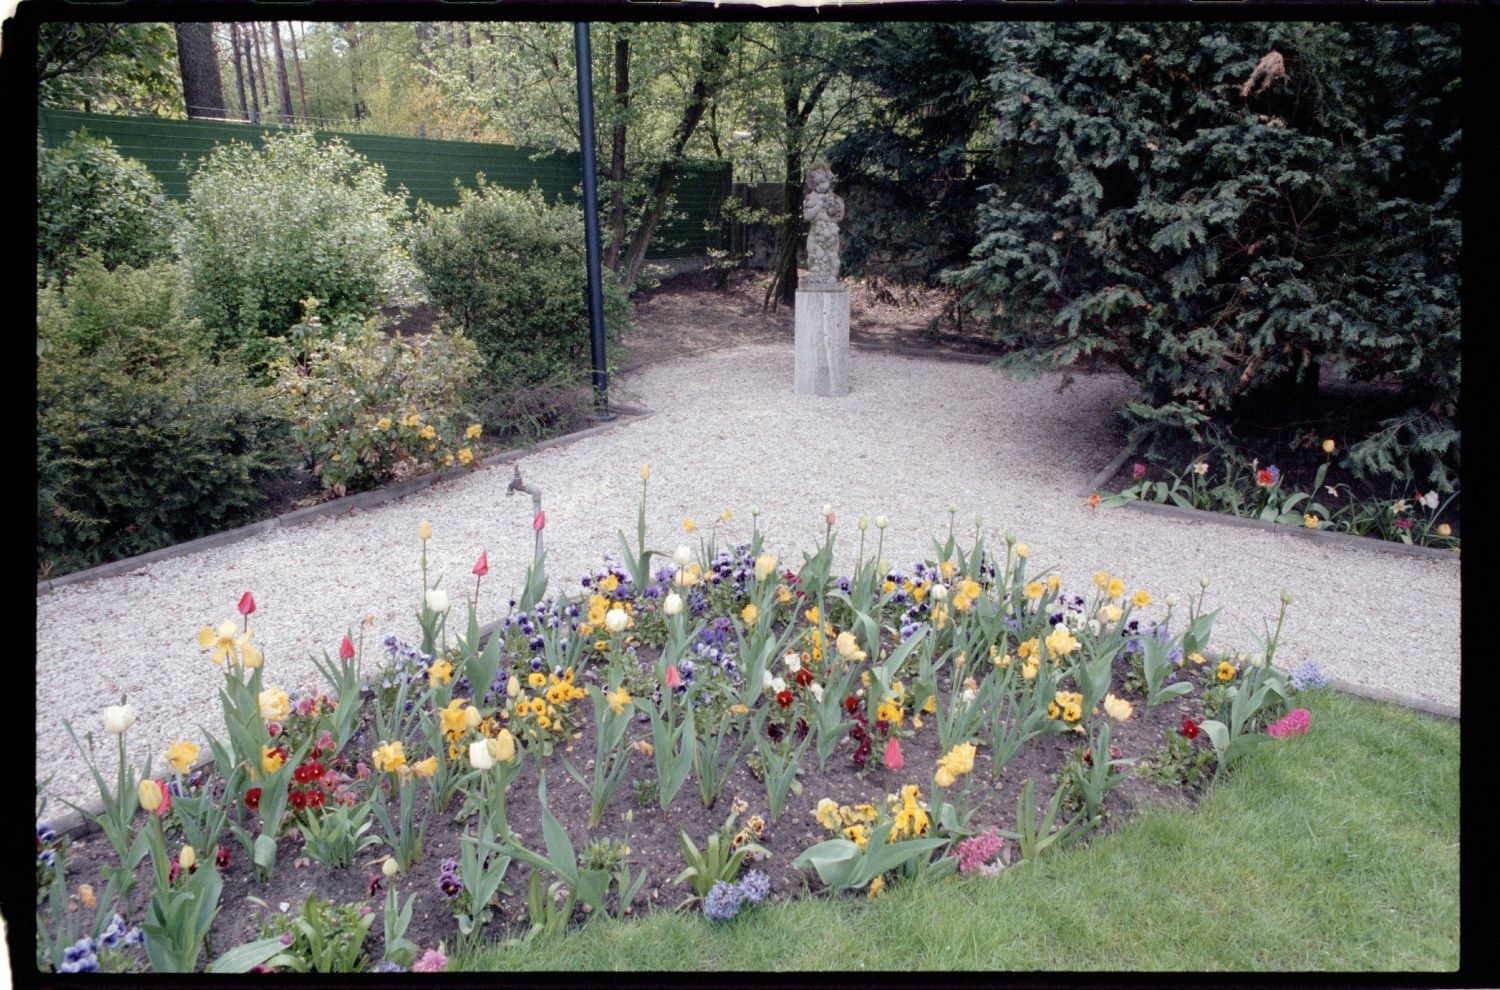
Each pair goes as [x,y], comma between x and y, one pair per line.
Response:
[517,485]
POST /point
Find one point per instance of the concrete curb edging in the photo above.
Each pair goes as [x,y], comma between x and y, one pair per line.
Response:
[333,507]
[1348,540]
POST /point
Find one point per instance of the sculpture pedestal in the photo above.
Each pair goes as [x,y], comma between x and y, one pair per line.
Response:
[822,341]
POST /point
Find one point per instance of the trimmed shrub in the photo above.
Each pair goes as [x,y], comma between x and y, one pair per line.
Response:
[141,441]
[266,228]
[92,201]
[366,408]
[509,268]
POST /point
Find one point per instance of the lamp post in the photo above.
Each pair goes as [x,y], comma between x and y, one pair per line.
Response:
[583,59]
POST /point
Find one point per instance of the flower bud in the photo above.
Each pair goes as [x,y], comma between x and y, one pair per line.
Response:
[952,508]
[118,718]
[645,472]
[827,509]
[187,859]
[502,747]
[755,510]
[1203,582]
[978,520]
[881,522]
[425,530]
[1172,600]
[512,686]
[148,792]
[672,605]
[765,566]
[472,717]
[480,757]
[683,555]
[1010,538]
[389,867]
[864,522]
[1286,597]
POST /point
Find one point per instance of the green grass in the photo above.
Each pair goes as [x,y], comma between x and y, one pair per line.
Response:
[1337,850]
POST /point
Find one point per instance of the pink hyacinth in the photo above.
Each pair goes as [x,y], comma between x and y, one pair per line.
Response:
[975,854]
[432,961]
[893,759]
[1292,724]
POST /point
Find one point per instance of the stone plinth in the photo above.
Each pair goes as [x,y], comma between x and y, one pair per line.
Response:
[822,340]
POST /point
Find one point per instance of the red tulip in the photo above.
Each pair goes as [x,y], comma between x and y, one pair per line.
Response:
[346,649]
[539,521]
[674,679]
[247,604]
[893,760]
[482,565]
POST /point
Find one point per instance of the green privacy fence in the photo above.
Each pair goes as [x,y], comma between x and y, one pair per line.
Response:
[426,167]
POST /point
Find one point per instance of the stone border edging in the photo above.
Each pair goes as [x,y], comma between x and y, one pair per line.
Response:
[333,507]
[1203,516]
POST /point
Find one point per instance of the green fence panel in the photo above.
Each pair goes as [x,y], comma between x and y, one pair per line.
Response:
[426,167]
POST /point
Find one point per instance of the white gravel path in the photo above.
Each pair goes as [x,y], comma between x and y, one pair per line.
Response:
[728,432]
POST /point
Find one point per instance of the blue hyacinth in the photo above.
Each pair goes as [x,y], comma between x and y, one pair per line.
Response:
[754,886]
[722,902]
[1306,676]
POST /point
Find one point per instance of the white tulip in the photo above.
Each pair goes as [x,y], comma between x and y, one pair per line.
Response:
[864,522]
[479,756]
[827,509]
[118,718]
[615,620]
[1172,600]
[683,556]
[881,522]
[672,605]
[817,692]
[939,592]
[437,600]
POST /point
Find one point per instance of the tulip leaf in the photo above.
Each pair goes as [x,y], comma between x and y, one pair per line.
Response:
[242,957]
[265,851]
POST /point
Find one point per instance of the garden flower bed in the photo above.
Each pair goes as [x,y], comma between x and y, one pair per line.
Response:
[714,729]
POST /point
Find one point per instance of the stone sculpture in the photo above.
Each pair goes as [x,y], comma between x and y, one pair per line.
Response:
[823,210]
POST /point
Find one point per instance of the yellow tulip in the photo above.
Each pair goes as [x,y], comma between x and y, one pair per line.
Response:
[149,794]
[502,747]
[425,530]
[181,755]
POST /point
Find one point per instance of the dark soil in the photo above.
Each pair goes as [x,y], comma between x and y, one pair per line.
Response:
[652,834]
[701,311]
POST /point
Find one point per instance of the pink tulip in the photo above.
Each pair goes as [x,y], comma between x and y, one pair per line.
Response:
[539,521]
[674,679]
[893,760]
[346,649]
[482,565]
[247,604]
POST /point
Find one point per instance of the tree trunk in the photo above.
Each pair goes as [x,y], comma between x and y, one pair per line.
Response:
[469,53]
[239,72]
[281,78]
[617,150]
[297,64]
[707,82]
[260,68]
[198,64]
[349,29]
[795,114]
[250,71]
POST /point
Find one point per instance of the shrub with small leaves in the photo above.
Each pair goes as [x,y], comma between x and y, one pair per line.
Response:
[267,227]
[509,268]
[93,202]
[373,408]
